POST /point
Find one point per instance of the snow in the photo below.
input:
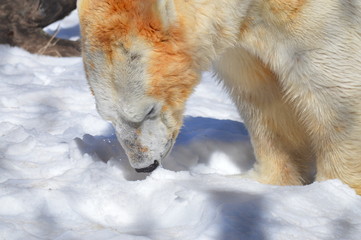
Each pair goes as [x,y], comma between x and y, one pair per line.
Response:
[64,176]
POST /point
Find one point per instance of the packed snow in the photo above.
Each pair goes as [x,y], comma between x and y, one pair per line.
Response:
[64,176]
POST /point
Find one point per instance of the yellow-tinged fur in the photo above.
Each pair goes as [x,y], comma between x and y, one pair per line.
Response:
[293,68]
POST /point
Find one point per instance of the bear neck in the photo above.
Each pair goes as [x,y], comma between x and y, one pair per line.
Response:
[258,26]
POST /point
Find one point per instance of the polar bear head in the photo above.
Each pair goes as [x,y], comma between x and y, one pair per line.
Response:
[140,68]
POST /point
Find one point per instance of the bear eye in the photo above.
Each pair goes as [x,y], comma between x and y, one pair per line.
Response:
[134,57]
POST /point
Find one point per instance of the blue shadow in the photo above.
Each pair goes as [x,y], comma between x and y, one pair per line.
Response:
[198,140]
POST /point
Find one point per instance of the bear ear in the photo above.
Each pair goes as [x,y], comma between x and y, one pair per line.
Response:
[81,5]
[166,12]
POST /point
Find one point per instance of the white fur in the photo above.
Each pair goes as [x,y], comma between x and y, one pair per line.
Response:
[293,68]
[309,108]
[167,12]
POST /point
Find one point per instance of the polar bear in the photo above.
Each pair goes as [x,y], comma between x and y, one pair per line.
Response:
[292,67]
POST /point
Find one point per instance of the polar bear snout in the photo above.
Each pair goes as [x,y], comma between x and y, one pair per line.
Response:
[148,169]
[146,144]
[143,158]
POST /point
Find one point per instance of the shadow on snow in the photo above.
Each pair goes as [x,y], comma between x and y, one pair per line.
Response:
[200,141]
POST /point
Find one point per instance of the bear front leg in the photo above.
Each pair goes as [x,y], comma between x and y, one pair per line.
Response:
[338,156]
[280,146]
[332,117]
[279,140]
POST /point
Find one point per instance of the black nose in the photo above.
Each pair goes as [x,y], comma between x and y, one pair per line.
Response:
[148,169]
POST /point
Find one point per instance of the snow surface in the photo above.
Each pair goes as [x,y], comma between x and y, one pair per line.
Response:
[64,176]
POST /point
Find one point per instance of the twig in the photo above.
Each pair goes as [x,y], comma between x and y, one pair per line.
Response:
[42,50]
